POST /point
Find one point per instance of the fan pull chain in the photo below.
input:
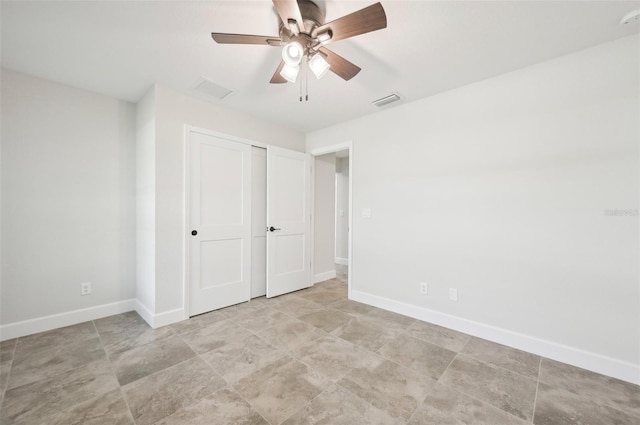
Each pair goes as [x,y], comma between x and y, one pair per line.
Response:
[304,83]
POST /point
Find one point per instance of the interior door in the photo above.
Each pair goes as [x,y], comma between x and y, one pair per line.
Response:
[220,222]
[288,221]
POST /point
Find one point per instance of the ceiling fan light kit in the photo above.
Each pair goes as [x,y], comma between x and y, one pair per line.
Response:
[318,65]
[290,72]
[304,33]
[292,53]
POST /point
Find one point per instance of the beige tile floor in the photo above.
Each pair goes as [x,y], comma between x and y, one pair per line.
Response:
[311,357]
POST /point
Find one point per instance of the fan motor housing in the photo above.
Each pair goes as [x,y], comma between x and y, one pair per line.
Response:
[312,18]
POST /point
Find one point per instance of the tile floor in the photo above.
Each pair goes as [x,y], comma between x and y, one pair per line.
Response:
[311,357]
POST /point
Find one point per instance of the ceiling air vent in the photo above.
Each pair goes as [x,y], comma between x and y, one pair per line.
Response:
[386,100]
[211,89]
[632,17]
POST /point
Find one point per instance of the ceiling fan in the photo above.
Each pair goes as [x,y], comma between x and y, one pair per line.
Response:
[303,34]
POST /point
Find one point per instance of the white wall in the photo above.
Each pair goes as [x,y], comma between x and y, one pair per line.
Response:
[173,111]
[68,202]
[500,189]
[146,201]
[324,205]
[342,210]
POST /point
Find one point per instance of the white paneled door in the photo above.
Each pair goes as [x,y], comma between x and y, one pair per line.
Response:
[220,222]
[288,221]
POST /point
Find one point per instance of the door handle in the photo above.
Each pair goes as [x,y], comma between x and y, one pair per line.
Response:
[273,229]
[194,232]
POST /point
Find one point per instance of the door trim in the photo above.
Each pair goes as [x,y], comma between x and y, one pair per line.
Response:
[188,129]
[348,145]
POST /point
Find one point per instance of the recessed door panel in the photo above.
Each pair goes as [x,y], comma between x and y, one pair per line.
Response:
[221,177]
[290,197]
[290,254]
[220,263]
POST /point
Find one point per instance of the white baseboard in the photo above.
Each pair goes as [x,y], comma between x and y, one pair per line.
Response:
[54,321]
[160,319]
[144,312]
[342,261]
[574,356]
[321,277]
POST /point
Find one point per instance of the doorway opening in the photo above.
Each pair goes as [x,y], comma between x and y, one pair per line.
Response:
[342,216]
[332,220]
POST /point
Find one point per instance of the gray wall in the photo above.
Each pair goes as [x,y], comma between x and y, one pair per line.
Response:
[342,209]
[324,217]
[146,200]
[68,198]
[501,190]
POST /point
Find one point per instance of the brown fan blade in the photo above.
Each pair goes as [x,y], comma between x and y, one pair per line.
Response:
[277,78]
[223,38]
[369,19]
[339,65]
[289,9]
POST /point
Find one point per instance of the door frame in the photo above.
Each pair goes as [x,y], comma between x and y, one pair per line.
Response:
[188,129]
[348,145]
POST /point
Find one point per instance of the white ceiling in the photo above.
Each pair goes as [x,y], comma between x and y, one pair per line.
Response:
[120,48]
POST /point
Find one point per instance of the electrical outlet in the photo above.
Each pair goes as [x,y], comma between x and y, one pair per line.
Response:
[85,288]
[453,294]
[423,288]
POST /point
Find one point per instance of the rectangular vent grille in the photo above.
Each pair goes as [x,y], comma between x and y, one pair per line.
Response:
[211,89]
[386,100]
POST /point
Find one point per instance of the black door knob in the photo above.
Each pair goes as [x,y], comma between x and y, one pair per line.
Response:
[273,229]
[194,232]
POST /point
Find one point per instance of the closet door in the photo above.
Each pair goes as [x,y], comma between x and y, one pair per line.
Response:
[220,223]
[288,221]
